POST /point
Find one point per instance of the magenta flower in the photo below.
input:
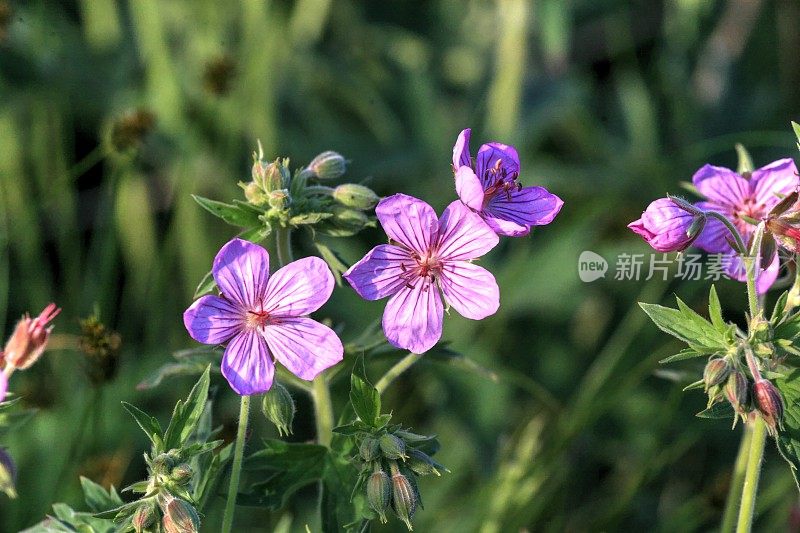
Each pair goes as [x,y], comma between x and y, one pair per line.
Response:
[668,227]
[752,195]
[262,316]
[490,188]
[428,259]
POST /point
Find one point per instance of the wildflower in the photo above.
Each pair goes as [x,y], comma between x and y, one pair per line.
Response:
[743,199]
[668,226]
[490,188]
[29,339]
[427,258]
[261,316]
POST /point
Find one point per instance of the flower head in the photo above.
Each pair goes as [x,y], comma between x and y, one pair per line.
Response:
[742,199]
[490,187]
[668,227]
[262,316]
[29,339]
[428,259]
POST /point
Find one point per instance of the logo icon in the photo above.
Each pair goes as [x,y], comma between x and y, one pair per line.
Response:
[591,266]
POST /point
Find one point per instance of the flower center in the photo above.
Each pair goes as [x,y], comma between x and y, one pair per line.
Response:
[502,182]
[256,319]
[748,208]
[425,267]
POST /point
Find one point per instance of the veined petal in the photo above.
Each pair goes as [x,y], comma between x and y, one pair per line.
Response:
[487,158]
[714,237]
[461,155]
[413,317]
[721,185]
[378,273]
[469,188]
[241,270]
[469,289]
[531,206]
[507,228]
[213,320]
[304,346]
[408,220]
[463,234]
[247,365]
[299,288]
[774,181]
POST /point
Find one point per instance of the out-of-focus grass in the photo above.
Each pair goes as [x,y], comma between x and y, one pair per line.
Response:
[611,104]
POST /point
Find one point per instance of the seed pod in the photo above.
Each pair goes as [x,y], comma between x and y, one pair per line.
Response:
[144,517]
[278,406]
[379,493]
[180,517]
[421,463]
[369,449]
[404,497]
[328,165]
[716,371]
[736,390]
[355,196]
[770,404]
[392,447]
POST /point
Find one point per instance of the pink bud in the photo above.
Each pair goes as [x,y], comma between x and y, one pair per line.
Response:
[29,338]
[770,404]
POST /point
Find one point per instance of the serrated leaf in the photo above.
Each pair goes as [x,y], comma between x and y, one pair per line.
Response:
[686,353]
[720,410]
[688,326]
[788,438]
[148,424]
[97,498]
[789,328]
[715,311]
[187,414]
[232,214]
[364,398]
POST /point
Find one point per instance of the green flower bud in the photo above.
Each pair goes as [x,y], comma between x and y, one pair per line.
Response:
[421,463]
[278,407]
[392,447]
[279,199]
[404,497]
[355,196]
[737,391]
[328,166]
[164,462]
[369,449]
[271,176]
[180,517]
[716,372]
[346,221]
[144,517]
[253,193]
[760,329]
[770,404]
[182,474]
[379,493]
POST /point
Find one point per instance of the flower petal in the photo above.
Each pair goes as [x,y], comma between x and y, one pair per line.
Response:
[770,183]
[247,365]
[463,234]
[413,317]
[378,273]
[488,156]
[408,220]
[461,155]
[507,228]
[304,346]
[531,206]
[721,185]
[3,386]
[469,289]
[213,320]
[735,269]
[299,288]
[241,270]
[714,237]
[469,188]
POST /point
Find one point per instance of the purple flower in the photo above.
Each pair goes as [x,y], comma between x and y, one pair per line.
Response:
[490,188]
[261,316]
[752,195]
[428,259]
[668,227]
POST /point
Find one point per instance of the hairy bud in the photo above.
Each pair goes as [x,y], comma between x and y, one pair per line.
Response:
[180,517]
[369,449]
[716,372]
[328,165]
[392,447]
[279,199]
[404,497]
[736,390]
[379,493]
[144,517]
[182,474]
[770,404]
[278,407]
[355,196]
[254,194]
[422,464]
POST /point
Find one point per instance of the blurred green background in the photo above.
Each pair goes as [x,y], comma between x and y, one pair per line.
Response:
[564,421]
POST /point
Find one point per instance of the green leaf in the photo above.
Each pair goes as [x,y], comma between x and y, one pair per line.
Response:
[187,414]
[788,329]
[720,410]
[148,424]
[97,498]
[688,326]
[715,311]
[365,399]
[232,214]
[354,428]
[190,363]
[699,384]
[686,353]
[283,468]
[308,218]
[205,286]
[745,161]
[257,233]
[788,439]
[337,266]
[342,509]
[796,128]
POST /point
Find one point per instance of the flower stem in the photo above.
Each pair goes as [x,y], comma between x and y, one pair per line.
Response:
[236,470]
[731,228]
[283,243]
[393,373]
[737,481]
[751,475]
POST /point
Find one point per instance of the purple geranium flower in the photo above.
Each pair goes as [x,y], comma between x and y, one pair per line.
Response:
[264,316]
[428,259]
[752,195]
[490,188]
[668,227]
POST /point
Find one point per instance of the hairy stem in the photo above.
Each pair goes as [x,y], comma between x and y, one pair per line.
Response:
[751,475]
[393,373]
[731,228]
[737,481]
[236,469]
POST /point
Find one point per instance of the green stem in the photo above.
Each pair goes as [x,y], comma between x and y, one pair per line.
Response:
[731,228]
[283,244]
[737,481]
[236,470]
[393,373]
[752,472]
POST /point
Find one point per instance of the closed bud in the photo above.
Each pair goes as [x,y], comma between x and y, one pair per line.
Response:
[348,221]
[355,196]
[278,407]
[404,497]
[279,199]
[422,464]
[254,194]
[379,493]
[328,165]
[369,449]
[144,517]
[29,339]
[669,224]
[181,474]
[736,390]
[716,372]
[392,447]
[770,404]
[180,517]
[271,176]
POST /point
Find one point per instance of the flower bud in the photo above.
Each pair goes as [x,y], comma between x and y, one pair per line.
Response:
[421,463]
[355,196]
[392,447]
[379,493]
[279,199]
[278,407]
[328,165]
[8,474]
[271,176]
[29,338]
[770,404]
[736,390]
[716,371]
[182,474]
[144,517]
[669,226]
[254,194]
[180,517]
[346,221]
[369,449]
[404,497]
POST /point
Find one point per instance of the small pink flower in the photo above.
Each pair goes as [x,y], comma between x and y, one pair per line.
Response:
[667,227]
[29,339]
